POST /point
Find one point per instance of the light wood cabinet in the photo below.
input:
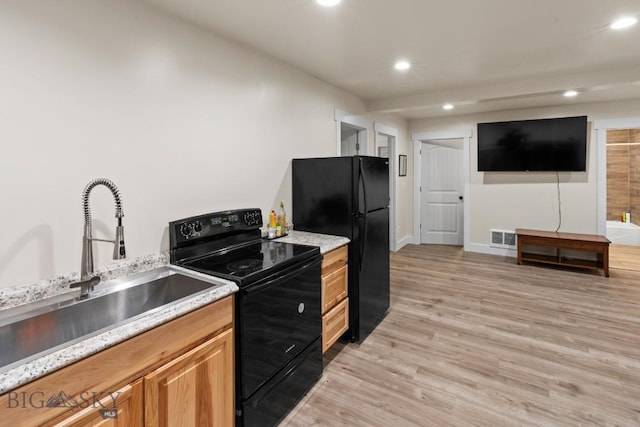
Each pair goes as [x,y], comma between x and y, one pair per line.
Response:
[195,389]
[122,408]
[334,324]
[334,288]
[180,373]
[335,292]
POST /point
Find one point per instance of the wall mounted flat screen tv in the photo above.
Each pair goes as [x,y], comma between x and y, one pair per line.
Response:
[545,145]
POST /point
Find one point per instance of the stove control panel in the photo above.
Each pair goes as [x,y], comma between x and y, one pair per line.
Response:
[253,218]
[205,227]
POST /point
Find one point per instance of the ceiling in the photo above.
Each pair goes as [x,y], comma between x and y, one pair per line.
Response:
[479,55]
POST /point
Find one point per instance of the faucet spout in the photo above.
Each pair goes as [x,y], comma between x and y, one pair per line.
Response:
[86,267]
[87,281]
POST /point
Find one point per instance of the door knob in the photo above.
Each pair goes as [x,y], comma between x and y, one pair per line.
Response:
[460,197]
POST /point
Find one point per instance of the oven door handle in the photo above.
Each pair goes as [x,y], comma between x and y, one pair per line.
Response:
[259,287]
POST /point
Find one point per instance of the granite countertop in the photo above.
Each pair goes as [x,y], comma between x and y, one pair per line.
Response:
[46,363]
[18,373]
[326,242]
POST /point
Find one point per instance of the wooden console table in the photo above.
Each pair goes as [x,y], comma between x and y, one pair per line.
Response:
[559,241]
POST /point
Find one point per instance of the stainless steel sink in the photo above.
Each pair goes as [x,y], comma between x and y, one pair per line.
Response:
[40,328]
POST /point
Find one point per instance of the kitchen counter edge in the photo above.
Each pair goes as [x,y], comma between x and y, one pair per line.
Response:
[326,242]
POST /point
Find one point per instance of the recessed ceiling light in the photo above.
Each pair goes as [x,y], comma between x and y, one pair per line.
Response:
[447,107]
[402,65]
[328,3]
[571,93]
[625,22]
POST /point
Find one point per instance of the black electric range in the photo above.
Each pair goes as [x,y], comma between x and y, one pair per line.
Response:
[249,262]
[278,315]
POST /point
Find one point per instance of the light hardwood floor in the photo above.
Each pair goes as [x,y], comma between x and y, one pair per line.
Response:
[475,339]
[624,257]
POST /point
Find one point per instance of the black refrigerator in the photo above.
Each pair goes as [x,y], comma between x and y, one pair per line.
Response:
[349,196]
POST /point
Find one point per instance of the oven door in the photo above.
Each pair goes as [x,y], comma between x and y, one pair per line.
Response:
[278,317]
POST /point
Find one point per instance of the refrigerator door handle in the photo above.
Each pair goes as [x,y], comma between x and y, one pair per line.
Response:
[363,241]
[364,187]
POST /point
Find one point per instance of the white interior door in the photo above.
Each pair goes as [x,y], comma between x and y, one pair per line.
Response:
[441,195]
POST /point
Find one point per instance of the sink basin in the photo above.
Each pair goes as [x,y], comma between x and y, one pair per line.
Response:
[49,326]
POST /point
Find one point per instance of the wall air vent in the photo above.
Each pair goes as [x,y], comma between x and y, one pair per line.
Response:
[503,239]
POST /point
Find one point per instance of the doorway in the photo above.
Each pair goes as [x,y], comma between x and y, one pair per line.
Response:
[444,215]
[386,146]
[382,145]
[623,197]
[352,134]
[623,186]
[350,141]
[619,190]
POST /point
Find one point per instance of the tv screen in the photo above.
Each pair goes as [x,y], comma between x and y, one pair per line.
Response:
[533,145]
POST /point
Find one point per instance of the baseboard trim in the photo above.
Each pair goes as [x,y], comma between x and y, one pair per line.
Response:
[406,240]
[486,249]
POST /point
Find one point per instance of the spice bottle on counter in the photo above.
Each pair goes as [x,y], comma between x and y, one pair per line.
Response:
[272,219]
[282,219]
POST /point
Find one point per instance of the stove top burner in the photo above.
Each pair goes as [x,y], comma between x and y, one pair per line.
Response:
[245,266]
[247,263]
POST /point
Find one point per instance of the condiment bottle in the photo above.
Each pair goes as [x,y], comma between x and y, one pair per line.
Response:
[282,219]
[272,219]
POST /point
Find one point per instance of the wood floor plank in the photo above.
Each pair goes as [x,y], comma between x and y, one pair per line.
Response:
[624,257]
[477,340]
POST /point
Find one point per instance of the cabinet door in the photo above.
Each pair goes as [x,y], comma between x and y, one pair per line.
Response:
[196,389]
[120,409]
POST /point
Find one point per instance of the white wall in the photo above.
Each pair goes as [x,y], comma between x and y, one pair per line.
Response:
[182,121]
[529,200]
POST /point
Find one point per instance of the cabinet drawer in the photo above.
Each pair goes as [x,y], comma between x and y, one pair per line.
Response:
[334,288]
[334,259]
[334,324]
